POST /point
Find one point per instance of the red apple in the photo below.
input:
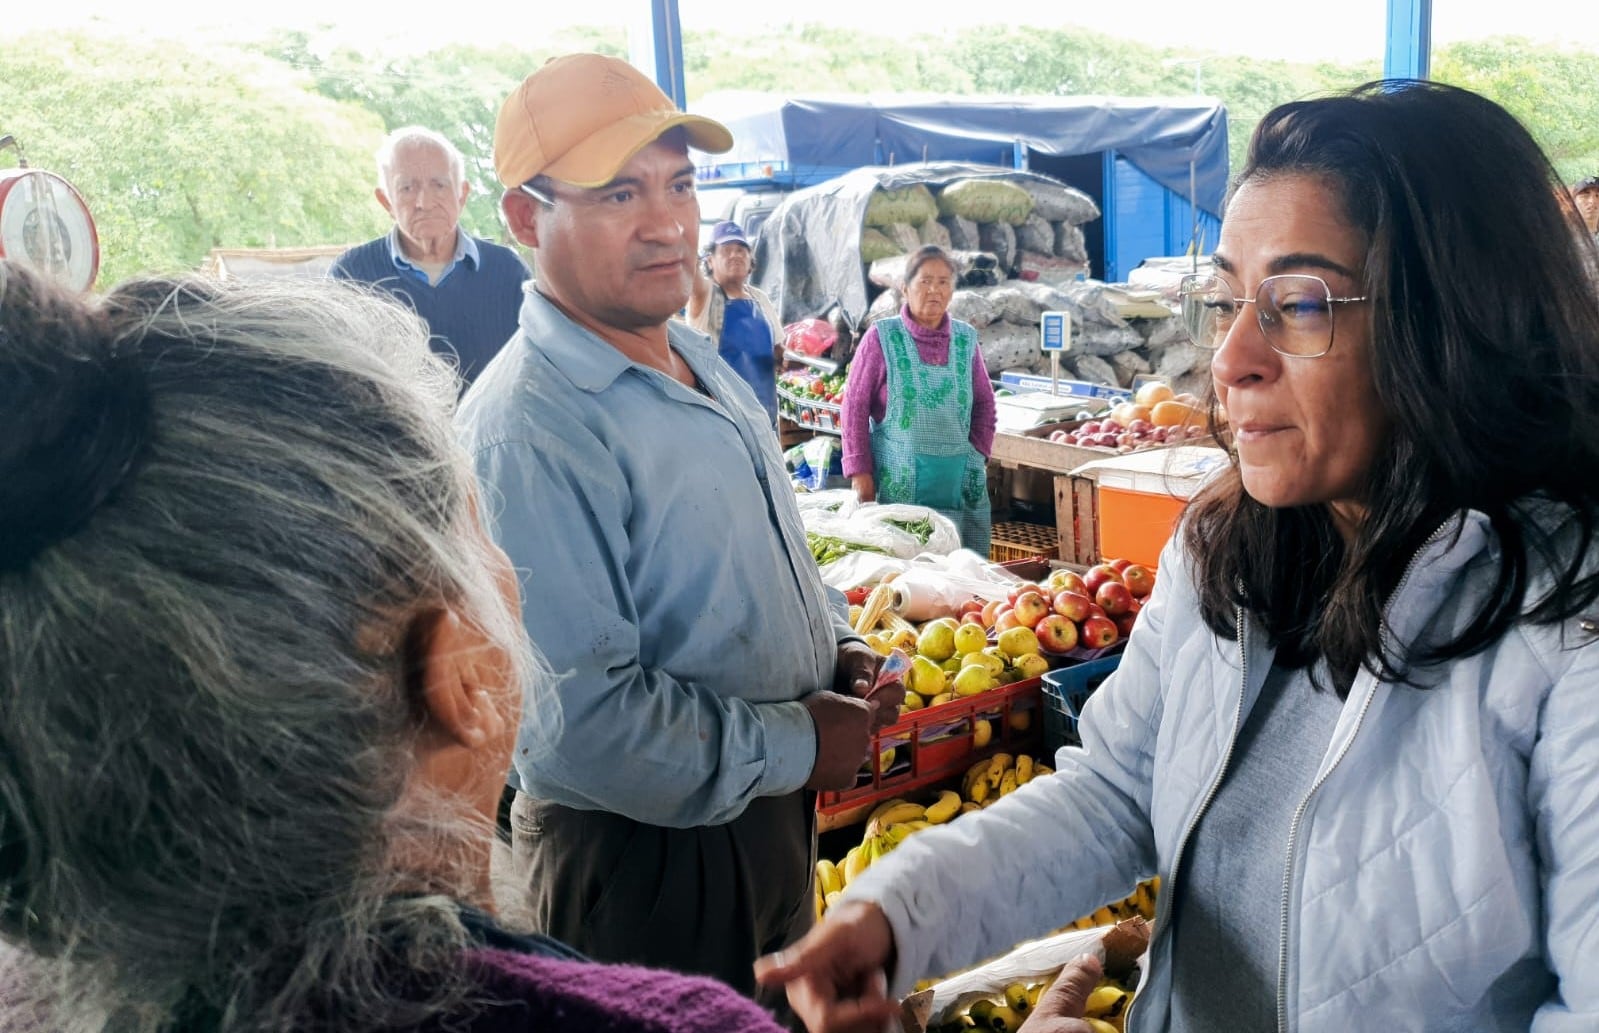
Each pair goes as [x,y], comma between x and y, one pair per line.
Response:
[1056,633]
[1097,575]
[1140,580]
[1072,605]
[1063,580]
[1096,610]
[1091,427]
[1057,435]
[1118,565]
[972,606]
[991,612]
[1124,624]
[1114,598]
[973,617]
[1006,620]
[1030,608]
[1099,632]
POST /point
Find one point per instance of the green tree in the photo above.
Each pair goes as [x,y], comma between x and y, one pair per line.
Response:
[178,152]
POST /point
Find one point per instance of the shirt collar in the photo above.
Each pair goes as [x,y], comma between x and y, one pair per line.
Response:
[465,248]
[589,362]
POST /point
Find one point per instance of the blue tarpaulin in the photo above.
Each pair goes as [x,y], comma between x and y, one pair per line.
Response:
[813,138]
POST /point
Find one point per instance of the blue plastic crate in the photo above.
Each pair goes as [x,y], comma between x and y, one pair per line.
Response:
[1065,691]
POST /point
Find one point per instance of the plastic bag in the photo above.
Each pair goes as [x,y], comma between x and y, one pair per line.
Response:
[1058,202]
[934,232]
[1036,234]
[875,244]
[913,204]
[986,200]
[972,307]
[809,336]
[1000,239]
[962,233]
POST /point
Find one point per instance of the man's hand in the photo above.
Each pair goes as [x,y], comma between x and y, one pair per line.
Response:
[843,735]
[1060,1009]
[836,975]
[856,675]
[865,486]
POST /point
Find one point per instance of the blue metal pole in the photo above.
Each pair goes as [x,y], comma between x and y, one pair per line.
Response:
[659,49]
[1408,54]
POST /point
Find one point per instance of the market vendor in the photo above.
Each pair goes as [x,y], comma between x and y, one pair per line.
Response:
[1354,729]
[741,321]
[710,683]
[919,408]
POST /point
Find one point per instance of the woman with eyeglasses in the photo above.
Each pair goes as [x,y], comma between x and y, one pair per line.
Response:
[1356,731]
[919,407]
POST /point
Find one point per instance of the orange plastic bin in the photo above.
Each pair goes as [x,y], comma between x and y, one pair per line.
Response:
[1140,495]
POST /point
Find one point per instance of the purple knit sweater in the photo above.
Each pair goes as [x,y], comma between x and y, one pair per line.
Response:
[866,397]
[561,996]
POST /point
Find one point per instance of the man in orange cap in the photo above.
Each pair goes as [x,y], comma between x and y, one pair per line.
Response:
[664,811]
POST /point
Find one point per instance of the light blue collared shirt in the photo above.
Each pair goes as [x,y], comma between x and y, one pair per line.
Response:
[666,576]
[465,249]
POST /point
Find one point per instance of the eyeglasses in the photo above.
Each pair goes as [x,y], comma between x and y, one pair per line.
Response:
[537,195]
[1295,312]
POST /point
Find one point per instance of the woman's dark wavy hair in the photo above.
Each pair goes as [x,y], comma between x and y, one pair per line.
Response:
[1485,358]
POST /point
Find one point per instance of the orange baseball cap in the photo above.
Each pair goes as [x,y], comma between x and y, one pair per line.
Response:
[581,117]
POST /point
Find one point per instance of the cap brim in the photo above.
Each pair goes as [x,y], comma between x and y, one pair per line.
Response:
[597,160]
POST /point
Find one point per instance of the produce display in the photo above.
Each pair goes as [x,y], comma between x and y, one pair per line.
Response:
[1153,418]
[1071,611]
[1105,1012]
[810,398]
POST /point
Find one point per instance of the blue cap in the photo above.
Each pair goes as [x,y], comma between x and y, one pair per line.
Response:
[728,233]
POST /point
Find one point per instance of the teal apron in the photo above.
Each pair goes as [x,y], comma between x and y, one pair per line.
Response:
[922,449]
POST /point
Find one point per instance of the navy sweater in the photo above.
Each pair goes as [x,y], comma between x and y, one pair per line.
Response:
[471,313]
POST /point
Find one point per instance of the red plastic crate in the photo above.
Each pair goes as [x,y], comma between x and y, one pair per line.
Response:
[935,743]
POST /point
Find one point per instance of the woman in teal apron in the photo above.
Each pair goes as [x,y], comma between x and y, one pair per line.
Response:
[919,407]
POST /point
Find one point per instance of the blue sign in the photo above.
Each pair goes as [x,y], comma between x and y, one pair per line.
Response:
[1055,331]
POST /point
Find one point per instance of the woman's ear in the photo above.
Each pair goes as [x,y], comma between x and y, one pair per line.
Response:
[450,664]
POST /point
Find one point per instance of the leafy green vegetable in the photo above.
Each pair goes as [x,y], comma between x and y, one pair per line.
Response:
[921,530]
[825,548]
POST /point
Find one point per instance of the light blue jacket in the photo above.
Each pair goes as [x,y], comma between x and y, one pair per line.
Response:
[666,576]
[1444,869]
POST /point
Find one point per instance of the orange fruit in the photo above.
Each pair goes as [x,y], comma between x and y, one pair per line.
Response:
[1153,393]
[1175,414]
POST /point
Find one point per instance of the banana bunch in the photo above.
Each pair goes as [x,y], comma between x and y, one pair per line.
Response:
[997,776]
[886,828]
[1106,1009]
[1141,903]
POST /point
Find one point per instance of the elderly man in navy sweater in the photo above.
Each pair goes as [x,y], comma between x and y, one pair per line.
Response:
[466,289]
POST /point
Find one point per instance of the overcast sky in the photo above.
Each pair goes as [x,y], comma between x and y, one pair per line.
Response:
[1262,28]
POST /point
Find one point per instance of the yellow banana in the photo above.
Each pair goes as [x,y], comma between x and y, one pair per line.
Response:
[997,765]
[976,771]
[1024,769]
[980,1011]
[1007,783]
[821,906]
[918,825]
[892,837]
[892,813]
[1040,770]
[831,900]
[968,807]
[1004,1019]
[1105,1002]
[1101,1026]
[979,790]
[944,808]
[982,734]
[1016,997]
[1104,916]
[1034,992]
[854,863]
[828,877]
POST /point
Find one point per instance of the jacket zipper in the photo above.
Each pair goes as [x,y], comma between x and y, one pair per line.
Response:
[1304,805]
[1163,905]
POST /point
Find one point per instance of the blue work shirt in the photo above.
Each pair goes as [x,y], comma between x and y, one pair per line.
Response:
[465,250]
[665,572]
[747,346]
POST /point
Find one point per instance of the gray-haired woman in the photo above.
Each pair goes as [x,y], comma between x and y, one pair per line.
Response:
[260,674]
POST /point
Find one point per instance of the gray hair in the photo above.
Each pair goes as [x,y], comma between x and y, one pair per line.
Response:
[206,711]
[407,137]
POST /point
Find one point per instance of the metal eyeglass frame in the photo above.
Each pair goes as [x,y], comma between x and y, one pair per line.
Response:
[1183,291]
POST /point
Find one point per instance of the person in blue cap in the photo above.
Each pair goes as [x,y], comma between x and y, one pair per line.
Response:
[741,321]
